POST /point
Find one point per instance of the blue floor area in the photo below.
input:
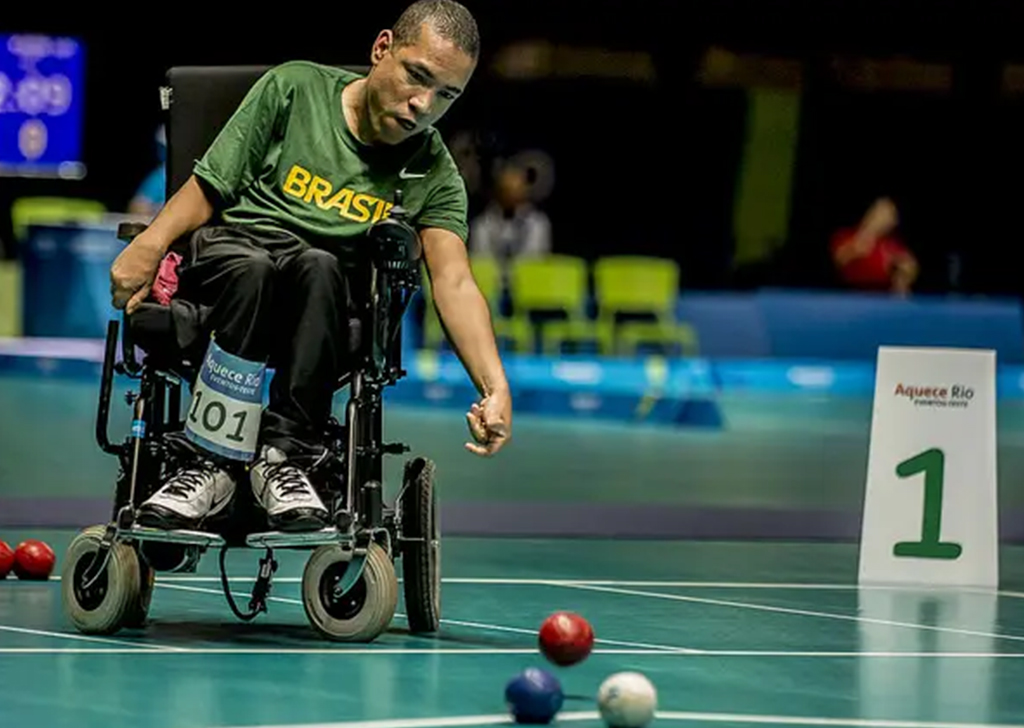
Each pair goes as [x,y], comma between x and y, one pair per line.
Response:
[729,634]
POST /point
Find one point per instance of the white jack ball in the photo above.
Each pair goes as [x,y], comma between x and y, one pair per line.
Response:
[627,700]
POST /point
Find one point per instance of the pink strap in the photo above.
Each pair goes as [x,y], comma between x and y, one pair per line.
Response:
[166,283]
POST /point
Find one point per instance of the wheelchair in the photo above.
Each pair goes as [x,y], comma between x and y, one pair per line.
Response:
[350,581]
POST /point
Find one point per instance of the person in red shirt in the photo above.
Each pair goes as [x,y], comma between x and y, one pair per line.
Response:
[871,256]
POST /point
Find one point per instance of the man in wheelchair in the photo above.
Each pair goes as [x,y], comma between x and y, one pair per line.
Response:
[269,228]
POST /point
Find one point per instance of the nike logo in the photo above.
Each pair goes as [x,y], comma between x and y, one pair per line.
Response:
[405,174]
[218,503]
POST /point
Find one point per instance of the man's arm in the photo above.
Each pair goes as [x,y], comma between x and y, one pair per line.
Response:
[852,246]
[462,308]
[131,275]
[466,319]
[187,210]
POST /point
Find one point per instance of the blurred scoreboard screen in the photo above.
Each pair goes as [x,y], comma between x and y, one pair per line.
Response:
[41,109]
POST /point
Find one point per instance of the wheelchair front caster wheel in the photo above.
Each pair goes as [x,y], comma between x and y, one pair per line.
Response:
[115,599]
[349,608]
[138,612]
[421,547]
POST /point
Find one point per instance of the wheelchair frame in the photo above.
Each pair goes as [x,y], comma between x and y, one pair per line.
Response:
[349,584]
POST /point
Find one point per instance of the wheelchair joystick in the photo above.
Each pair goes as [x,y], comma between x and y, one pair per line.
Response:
[398,212]
[396,243]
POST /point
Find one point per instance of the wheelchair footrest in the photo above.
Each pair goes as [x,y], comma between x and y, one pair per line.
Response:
[282,539]
[192,538]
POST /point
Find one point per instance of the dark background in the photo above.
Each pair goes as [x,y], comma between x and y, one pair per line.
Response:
[649,168]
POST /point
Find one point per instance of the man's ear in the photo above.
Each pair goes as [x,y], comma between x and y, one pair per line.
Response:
[381,46]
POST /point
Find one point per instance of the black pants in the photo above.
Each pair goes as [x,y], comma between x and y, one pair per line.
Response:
[271,298]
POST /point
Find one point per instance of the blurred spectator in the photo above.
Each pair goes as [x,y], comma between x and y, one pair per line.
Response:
[152,193]
[871,256]
[511,225]
[465,150]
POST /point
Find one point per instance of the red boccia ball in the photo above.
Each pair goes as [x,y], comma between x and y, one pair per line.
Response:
[33,560]
[566,638]
[6,559]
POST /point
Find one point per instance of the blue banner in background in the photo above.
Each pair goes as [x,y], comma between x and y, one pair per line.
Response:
[676,392]
[66,280]
[652,390]
[846,326]
[769,376]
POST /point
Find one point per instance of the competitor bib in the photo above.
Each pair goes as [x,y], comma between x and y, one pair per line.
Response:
[227,403]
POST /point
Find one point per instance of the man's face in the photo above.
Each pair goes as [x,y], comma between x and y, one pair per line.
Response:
[412,87]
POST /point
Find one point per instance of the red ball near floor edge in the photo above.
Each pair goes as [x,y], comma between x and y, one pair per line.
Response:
[566,638]
[6,559]
[33,560]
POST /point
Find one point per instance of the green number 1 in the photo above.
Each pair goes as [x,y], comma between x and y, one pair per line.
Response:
[933,464]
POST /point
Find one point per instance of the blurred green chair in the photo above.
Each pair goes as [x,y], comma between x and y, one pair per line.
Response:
[487,270]
[52,210]
[549,294]
[636,303]
[10,298]
[487,273]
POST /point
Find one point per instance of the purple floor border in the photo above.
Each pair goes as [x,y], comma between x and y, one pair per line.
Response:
[551,520]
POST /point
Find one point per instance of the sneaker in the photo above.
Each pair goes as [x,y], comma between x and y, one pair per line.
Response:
[190,496]
[286,493]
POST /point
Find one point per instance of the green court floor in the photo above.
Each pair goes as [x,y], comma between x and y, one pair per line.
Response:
[730,633]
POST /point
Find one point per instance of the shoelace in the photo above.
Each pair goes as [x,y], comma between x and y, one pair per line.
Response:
[186,481]
[287,479]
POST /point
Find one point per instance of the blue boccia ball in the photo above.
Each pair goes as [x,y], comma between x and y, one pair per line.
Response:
[534,696]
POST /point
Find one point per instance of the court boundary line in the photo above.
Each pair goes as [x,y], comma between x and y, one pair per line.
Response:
[682,716]
[487,626]
[668,583]
[601,586]
[339,651]
[538,581]
[793,611]
[427,651]
[146,647]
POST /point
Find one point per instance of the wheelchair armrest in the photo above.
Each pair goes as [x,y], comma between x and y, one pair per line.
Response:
[128,231]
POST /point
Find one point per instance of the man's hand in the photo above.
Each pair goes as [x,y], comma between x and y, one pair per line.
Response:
[133,271]
[490,423]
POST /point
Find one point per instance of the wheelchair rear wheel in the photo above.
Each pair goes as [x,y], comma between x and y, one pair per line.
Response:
[421,553]
[363,611]
[116,599]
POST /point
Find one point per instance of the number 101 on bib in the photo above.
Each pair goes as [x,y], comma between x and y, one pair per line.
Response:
[227,404]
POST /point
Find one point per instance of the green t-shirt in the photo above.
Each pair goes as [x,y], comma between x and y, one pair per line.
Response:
[286,160]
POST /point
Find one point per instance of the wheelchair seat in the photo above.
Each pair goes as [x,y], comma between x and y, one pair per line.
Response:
[151,328]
